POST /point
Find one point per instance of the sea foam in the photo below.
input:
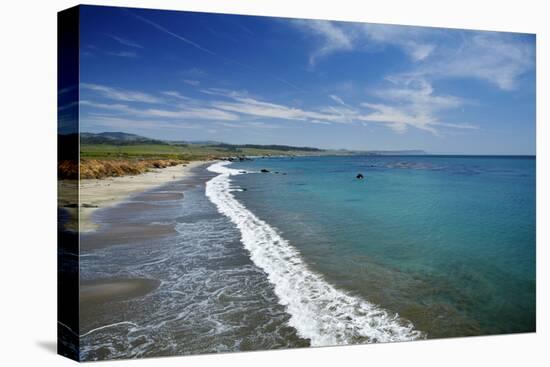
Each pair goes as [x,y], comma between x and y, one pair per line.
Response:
[318,311]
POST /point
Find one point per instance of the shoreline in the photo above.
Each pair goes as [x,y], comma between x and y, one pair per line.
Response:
[102,193]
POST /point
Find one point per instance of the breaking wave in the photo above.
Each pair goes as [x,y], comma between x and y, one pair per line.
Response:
[318,311]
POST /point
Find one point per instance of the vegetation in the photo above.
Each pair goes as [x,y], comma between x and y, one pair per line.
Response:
[185,152]
[119,154]
[92,168]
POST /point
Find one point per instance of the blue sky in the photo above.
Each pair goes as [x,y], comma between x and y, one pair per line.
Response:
[263,80]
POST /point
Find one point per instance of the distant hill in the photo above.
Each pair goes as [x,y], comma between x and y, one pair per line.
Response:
[116,138]
[121,138]
[284,148]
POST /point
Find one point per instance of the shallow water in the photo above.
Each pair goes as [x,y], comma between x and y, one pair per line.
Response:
[446,242]
[422,247]
[212,298]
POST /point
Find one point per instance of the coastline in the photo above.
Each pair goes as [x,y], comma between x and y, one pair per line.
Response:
[102,193]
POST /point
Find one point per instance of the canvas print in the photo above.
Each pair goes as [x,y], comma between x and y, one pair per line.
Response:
[233,183]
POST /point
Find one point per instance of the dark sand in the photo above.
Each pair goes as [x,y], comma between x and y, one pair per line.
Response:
[127,233]
[140,219]
[100,291]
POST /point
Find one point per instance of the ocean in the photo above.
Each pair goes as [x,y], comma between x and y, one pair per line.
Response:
[308,255]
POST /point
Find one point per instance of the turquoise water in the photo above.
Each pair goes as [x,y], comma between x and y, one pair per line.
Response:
[448,243]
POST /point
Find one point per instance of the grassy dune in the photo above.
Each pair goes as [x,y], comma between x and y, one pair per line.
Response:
[181,152]
[114,160]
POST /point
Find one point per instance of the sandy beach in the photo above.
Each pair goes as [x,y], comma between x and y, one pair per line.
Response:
[101,193]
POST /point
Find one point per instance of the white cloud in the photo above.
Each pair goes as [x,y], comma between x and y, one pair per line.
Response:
[332,37]
[253,107]
[175,35]
[498,58]
[192,82]
[121,94]
[340,36]
[417,42]
[338,100]
[412,103]
[118,123]
[194,73]
[495,58]
[126,42]
[182,113]
[190,113]
[405,104]
[175,94]
[129,54]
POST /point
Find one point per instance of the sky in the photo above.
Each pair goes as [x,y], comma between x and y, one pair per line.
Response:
[337,85]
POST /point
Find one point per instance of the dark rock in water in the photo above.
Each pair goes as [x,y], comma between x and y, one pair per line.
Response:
[242,171]
[360,176]
[263,170]
[276,172]
[243,189]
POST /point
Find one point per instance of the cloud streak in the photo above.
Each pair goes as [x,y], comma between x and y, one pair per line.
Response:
[120,94]
[497,58]
[402,106]
[414,104]
[211,52]
[129,54]
[175,35]
[331,38]
[126,42]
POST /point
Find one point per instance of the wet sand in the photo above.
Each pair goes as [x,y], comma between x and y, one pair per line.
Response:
[126,206]
[99,291]
[102,193]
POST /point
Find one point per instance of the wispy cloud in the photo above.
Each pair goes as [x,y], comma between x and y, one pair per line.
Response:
[176,94]
[341,37]
[129,54]
[338,100]
[121,94]
[194,73]
[500,59]
[417,42]
[211,52]
[173,34]
[412,104]
[183,112]
[126,42]
[403,105]
[192,82]
[254,107]
[331,38]
[121,123]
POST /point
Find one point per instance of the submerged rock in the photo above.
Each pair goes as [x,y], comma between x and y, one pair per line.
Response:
[263,170]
